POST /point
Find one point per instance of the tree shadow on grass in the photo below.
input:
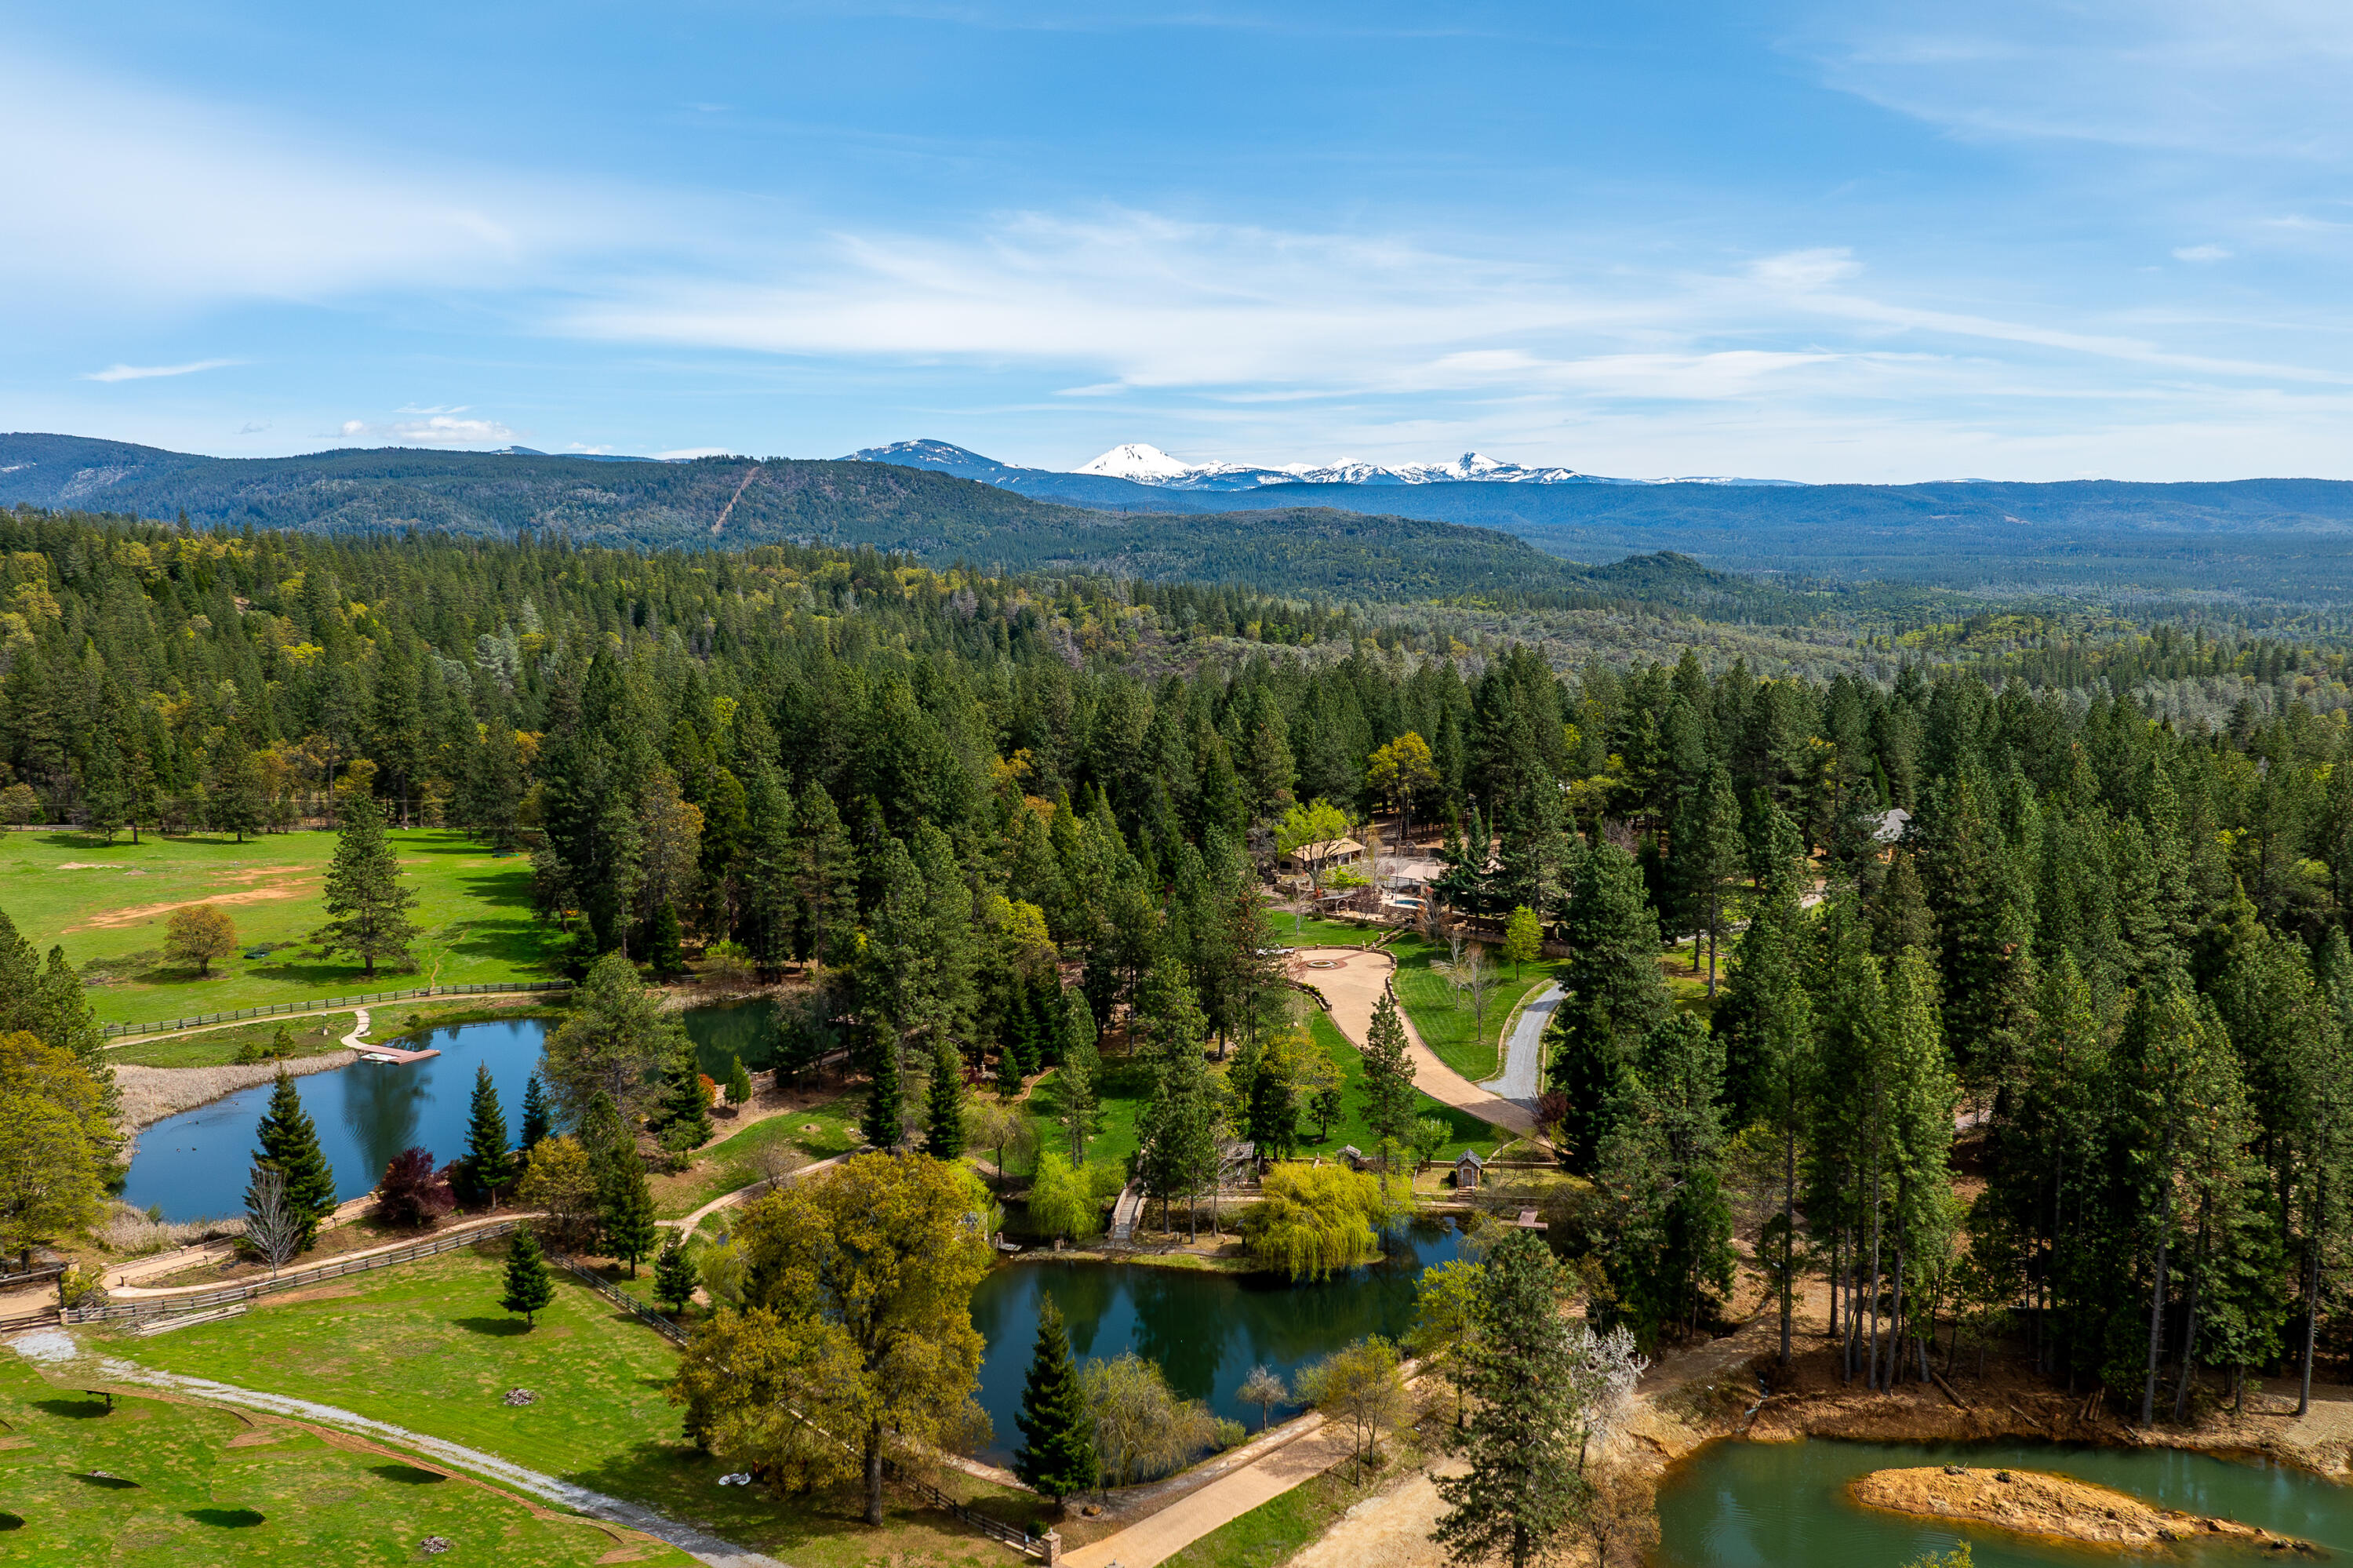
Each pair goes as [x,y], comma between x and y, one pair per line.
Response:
[408,1475]
[496,1327]
[108,1483]
[78,1409]
[226,1518]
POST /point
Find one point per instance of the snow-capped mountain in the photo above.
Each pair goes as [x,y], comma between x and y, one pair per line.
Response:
[1143,464]
[1101,480]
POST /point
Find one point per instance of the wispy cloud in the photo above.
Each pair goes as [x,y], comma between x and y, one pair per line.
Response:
[2201,253]
[144,372]
[443,429]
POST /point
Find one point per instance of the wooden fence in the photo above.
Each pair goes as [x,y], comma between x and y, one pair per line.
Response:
[994,1529]
[620,1297]
[369,1000]
[161,1306]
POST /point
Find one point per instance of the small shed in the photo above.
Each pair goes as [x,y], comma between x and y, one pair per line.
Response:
[1467,1168]
[1529,1221]
[1352,1156]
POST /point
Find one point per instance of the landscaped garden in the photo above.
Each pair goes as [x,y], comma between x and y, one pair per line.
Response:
[1442,1014]
[107,904]
[426,1347]
[165,1483]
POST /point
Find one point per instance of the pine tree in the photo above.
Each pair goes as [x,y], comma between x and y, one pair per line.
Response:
[665,949]
[1057,1451]
[944,1127]
[290,1145]
[535,1124]
[1706,858]
[739,1082]
[490,1163]
[886,1101]
[1522,1484]
[1387,1090]
[683,1117]
[1615,994]
[1078,1095]
[1010,1083]
[364,892]
[674,1273]
[528,1289]
[629,1228]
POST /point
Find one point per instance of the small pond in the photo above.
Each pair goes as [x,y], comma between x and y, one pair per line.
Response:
[1204,1331]
[195,1165]
[1774,1505]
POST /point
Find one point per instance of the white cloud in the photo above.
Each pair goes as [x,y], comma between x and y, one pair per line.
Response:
[143,372]
[2201,253]
[121,194]
[442,429]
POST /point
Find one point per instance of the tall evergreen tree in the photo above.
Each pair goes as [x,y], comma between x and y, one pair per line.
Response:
[943,1137]
[1387,1089]
[675,1279]
[1615,994]
[289,1146]
[363,895]
[528,1288]
[1707,854]
[1521,1486]
[490,1163]
[629,1229]
[535,1123]
[1057,1450]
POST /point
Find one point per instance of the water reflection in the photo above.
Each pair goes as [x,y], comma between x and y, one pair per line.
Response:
[1203,1330]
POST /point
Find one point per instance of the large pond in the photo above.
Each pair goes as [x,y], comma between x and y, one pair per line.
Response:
[1204,1331]
[1775,1505]
[195,1165]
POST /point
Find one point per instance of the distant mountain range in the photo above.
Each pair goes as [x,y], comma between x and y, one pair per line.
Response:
[1135,463]
[2280,540]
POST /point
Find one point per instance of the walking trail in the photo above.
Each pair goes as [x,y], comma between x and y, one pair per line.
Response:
[696,1543]
[1524,1052]
[1354,985]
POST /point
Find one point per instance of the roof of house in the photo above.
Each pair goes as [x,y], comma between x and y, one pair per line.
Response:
[1472,1155]
[1350,1151]
[1328,849]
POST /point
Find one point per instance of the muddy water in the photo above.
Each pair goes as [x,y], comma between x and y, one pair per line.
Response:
[1783,1505]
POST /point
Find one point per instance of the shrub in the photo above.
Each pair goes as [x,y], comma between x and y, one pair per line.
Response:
[196,933]
[1314,1221]
[413,1193]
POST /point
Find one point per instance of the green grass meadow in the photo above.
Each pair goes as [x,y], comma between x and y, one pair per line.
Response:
[1450,1029]
[194,1484]
[426,1347]
[818,1133]
[107,904]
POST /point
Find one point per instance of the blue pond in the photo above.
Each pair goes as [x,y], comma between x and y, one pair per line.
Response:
[1204,1331]
[195,1165]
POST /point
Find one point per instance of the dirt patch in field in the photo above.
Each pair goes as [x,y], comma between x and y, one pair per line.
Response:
[312,1293]
[252,1439]
[115,918]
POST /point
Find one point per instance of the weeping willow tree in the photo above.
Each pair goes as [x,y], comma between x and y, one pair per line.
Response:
[1314,1221]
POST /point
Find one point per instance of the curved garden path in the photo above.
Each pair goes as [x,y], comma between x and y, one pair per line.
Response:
[1523,1050]
[1354,986]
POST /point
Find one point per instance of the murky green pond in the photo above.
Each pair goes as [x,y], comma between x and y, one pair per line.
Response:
[1783,1505]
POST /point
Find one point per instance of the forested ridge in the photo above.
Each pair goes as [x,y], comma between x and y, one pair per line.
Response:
[2104,953]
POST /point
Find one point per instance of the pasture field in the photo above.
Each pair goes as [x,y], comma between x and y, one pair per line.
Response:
[167,1482]
[426,1346]
[107,905]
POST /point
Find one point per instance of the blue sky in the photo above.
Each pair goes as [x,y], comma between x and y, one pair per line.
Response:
[1835,242]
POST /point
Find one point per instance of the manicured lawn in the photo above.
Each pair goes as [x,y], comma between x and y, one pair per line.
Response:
[426,1346]
[818,1133]
[1310,931]
[1449,1028]
[1468,1131]
[1271,1532]
[314,1034]
[106,903]
[1128,1086]
[200,1475]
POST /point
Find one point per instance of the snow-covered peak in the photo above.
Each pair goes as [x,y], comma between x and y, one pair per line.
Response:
[1145,464]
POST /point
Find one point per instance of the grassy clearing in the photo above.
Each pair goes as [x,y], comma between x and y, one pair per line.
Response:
[1128,1086]
[426,1346]
[314,1035]
[1451,1029]
[106,904]
[1271,1532]
[817,1132]
[200,1475]
[1312,931]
